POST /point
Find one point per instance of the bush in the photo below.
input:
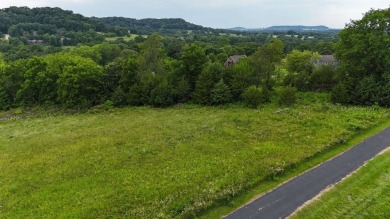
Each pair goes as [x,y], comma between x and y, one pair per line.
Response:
[252,96]
[287,96]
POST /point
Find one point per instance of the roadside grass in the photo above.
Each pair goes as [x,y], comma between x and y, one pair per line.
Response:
[365,194]
[162,163]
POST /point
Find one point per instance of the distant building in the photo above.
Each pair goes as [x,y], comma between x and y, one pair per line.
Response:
[35,42]
[233,59]
[328,60]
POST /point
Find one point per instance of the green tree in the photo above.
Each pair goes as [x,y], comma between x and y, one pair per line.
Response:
[162,95]
[152,54]
[220,94]
[11,79]
[5,101]
[363,47]
[240,76]
[265,60]
[252,96]
[366,91]
[182,90]
[301,62]
[340,94]
[364,53]
[204,85]
[88,52]
[193,60]
[36,85]
[119,76]
[80,82]
[287,96]
[323,78]
[300,66]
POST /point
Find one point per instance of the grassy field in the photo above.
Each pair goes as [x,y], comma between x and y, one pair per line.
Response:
[366,194]
[159,163]
[125,38]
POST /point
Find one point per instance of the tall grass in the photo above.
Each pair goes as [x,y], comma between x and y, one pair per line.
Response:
[159,163]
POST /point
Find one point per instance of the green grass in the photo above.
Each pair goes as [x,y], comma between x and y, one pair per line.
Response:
[125,38]
[365,194]
[160,163]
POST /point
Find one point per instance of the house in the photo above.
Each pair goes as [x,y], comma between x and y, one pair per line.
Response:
[233,59]
[328,60]
[38,42]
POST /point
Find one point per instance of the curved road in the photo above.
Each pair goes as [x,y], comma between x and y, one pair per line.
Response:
[285,199]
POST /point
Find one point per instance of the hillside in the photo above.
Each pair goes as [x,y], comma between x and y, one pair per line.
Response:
[150,25]
[17,20]
[52,19]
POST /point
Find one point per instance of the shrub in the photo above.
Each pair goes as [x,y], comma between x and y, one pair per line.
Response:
[287,96]
[252,96]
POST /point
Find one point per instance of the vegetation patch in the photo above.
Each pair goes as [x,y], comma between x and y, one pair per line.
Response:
[159,163]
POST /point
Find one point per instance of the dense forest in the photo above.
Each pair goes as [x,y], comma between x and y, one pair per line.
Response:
[54,57]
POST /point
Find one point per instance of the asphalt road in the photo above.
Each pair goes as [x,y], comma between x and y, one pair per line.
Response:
[285,199]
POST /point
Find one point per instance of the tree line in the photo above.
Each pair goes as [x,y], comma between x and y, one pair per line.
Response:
[90,75]
[162,71]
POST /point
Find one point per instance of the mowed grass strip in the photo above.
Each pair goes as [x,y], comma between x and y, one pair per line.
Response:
[365,194]
[159,163]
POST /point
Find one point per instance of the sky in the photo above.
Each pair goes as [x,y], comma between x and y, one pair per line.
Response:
[221,13]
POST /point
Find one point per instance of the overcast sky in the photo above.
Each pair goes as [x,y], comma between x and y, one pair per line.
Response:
[221,13]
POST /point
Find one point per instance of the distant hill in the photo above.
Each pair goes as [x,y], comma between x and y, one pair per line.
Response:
[17,20]
[298,28]
[150,24]
[284,28]
[47,19]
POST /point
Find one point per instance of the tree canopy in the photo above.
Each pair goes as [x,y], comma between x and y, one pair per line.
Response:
[364,53]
